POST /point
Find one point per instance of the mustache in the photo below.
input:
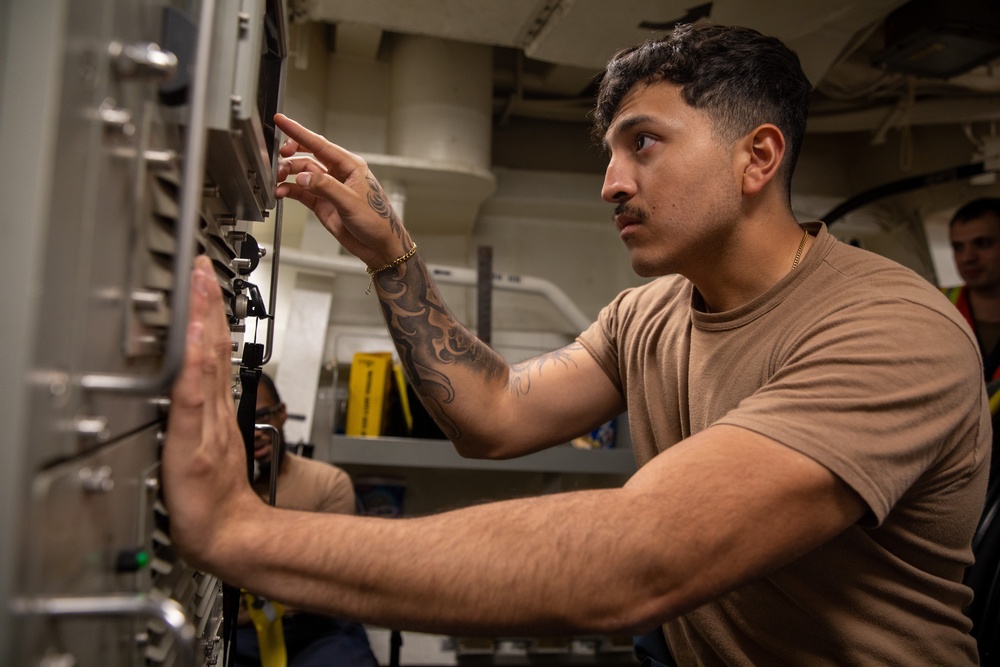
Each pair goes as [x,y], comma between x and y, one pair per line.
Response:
[635,212]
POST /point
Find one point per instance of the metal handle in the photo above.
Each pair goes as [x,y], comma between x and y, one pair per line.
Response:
[118,604]
[191,193]
[275,447]
[143,59]
[279,210]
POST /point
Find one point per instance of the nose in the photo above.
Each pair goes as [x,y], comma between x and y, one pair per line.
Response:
[618,184]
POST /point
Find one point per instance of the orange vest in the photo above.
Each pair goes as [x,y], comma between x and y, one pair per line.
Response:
[959,296]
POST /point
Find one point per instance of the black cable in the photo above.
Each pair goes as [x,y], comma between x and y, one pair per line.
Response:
[905,185]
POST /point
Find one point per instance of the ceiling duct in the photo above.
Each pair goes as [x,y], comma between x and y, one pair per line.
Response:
[940,40]
[439,133]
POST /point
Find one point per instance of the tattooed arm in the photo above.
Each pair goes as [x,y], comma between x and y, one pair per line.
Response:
[486,407]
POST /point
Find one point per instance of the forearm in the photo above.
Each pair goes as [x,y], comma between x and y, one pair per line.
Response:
[679,534]
[459,379]
[480,570]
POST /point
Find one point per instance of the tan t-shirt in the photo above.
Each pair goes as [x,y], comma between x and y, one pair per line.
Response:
[862,365]
[310,486]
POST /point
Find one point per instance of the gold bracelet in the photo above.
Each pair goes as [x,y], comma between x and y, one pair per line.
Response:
[393,264]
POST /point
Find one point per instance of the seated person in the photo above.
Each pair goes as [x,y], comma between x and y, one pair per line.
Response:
[311,640]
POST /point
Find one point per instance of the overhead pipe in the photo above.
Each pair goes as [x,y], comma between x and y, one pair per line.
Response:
[450,275]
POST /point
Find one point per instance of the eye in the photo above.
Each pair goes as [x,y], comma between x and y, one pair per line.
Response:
[642,141]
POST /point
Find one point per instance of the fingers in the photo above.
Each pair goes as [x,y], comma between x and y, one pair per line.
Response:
[289,148]
[187,391]
[323,195]
[340,189]
[298,164]
[340,162]
[296,192]
[217,357]
[207,365]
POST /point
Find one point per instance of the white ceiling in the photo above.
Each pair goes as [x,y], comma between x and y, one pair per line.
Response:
[563,44]
[869,125]
[585,33]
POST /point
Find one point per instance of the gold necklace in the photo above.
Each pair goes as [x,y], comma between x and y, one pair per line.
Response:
[798,253]
[798,256]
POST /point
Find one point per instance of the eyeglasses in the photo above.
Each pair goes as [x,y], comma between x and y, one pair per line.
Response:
[266,415]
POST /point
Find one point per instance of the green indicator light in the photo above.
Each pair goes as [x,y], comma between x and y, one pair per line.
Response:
[131,560]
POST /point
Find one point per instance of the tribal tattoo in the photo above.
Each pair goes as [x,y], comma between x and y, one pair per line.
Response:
[520,380]
[379,203]
[429,338]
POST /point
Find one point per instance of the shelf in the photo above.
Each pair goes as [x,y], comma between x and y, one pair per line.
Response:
[415,453]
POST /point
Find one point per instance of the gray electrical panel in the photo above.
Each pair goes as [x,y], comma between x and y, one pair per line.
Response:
[135,134]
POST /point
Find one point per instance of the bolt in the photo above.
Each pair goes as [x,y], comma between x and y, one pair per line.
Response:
[97,481]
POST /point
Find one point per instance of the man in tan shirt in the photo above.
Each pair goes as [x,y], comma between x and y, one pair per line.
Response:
[808,417]
[311,640]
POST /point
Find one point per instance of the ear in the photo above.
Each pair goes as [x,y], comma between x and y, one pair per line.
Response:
[763,150]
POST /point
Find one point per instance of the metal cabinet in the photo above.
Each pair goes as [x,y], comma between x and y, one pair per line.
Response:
[136,134]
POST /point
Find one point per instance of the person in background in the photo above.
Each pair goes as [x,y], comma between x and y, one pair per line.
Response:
[807,417]
[974,231]
[311,640]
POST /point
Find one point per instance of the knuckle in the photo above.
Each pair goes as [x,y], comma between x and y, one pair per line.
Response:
[222,349]
[209,365]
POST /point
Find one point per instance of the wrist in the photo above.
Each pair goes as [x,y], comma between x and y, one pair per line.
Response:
[239,525]
[372,271]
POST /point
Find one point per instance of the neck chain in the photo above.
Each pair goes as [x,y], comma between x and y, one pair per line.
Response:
[795,263]
[798,253]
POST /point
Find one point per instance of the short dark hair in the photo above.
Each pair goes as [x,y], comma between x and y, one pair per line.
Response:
[977,208]
[268,383]
[738,76]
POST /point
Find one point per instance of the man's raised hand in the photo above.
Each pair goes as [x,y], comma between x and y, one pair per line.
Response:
[340,189]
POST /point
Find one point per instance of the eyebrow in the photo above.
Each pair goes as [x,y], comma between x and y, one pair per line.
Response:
[973,239]
[625,125]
